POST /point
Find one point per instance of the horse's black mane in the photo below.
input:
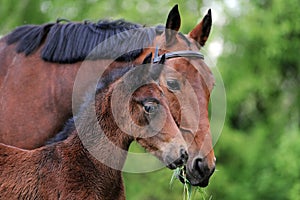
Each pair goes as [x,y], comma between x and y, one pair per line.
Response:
[104,82]
[72,42]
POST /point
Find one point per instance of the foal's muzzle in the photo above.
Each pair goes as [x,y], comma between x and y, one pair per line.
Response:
[180,161]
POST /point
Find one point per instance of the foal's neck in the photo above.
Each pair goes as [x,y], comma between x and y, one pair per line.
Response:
[98,179]
[98,133]
[97,150]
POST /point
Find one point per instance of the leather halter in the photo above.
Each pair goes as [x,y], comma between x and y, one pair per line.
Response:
[176,54]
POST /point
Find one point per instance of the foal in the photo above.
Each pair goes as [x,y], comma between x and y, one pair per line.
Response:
[87,164]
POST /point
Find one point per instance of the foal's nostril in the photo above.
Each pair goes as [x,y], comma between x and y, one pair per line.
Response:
[184,155]
[180,161]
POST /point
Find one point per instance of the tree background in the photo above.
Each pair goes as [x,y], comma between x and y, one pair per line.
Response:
[258,151]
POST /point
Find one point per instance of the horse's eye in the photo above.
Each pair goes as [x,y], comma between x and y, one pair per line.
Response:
[173,84]
[150,107]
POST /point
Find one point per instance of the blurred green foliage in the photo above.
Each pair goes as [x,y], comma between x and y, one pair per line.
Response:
[258,151]
[151,12]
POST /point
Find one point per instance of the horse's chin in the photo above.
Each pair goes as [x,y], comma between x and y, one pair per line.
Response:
[193,179]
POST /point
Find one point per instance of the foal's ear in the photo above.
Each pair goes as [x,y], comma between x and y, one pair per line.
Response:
[156,69]
[148,59]
[172,25]
[201,32]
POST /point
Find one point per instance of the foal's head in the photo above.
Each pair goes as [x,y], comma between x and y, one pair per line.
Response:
[141,111]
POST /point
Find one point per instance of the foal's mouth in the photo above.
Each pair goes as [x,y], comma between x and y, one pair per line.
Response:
[179,162]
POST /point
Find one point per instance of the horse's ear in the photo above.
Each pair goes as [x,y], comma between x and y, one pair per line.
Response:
[201,32]
[172,25]
[163,59]
[156,69]
[148,59]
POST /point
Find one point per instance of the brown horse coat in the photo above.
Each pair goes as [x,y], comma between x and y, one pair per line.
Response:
[36,84]
[69,170]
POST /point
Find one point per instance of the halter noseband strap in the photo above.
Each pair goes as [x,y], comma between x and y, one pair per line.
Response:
[175,54]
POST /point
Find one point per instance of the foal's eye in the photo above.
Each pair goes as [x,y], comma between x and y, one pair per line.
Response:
[150,107]
[173,84]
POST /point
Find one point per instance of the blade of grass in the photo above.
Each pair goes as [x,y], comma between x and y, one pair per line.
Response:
[188,190]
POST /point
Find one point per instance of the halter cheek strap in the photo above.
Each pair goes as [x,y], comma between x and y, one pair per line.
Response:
[176,54]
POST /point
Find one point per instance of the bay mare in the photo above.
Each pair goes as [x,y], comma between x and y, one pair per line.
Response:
[39,64]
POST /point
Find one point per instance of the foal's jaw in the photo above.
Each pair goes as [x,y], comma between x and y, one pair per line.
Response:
[173,153]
